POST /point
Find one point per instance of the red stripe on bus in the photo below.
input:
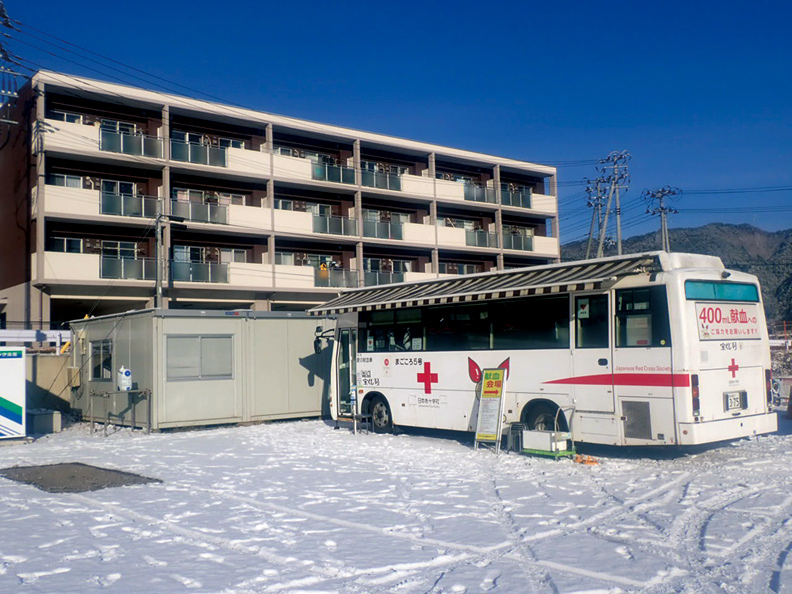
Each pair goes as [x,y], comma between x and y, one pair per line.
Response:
[664,380]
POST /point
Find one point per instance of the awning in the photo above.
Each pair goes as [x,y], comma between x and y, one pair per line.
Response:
[502,284]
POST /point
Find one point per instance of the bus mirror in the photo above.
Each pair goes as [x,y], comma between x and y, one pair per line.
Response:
[318,346]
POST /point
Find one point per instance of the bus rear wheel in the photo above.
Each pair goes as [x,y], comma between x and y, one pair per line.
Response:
[543,417]
[381,419]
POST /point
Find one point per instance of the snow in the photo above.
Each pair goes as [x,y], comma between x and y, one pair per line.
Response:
[298,507]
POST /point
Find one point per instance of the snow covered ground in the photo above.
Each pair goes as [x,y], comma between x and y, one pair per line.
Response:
[298,507]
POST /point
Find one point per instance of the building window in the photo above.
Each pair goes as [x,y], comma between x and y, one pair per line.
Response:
[233,255]
[119,249]
[68,181]
[188,137]
[458,223]
[459,268]
[66,116]
[203,357]
[102,360]
[228,198]
[386,265]
[186,253]
[118,127]
[118,188]
[230,143]
[70,245]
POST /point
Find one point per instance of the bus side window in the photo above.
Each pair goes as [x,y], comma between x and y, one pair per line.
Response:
[642,317]
[591,322]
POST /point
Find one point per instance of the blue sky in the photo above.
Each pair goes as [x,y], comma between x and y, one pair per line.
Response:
[699,93]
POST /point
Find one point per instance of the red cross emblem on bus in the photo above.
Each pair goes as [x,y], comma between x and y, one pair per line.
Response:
[427,378]
[733,368]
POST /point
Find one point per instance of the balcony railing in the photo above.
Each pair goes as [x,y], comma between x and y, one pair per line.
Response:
[128,268]
[515,241]
[384,181]
[521,198]
[131,144]
[383,230]
[200,212]
[199,272]
[129,205]
[202,154]
[333,173]
[382,278]
[479,194]
[481,239]
[334,225]
[335,277]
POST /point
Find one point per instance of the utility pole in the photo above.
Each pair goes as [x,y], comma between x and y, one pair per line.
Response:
[656,205]
[618,178]
[594,200]
[9,79]
[160,253]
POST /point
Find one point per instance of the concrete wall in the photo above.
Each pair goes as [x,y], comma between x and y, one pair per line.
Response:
[47,383]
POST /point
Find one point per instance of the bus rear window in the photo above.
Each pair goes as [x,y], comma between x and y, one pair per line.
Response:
[720,291]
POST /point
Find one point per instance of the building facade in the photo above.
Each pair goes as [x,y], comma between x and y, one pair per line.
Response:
[254,210]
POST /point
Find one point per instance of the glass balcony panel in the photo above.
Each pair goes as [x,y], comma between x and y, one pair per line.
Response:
[152,146]
[131,145]
[481,239]
[335,278]
[133,269]
[382,278]
[199,212]
[150,207]
[132,206]
[218,213]
[180,209]
[149,269]
[218,272]
[319,172]
[367,178]
[394,182]
[321,224]
[180,151]
[111,267]
[333,173]
[521,199]
[110,141]
[199,154]
[347,175]
[218,156]
[180,271]
[111,204]
[518,242]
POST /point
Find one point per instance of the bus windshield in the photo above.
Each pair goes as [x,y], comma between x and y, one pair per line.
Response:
[720,291]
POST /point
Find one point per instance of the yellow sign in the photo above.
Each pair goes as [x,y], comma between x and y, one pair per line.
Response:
[488,426]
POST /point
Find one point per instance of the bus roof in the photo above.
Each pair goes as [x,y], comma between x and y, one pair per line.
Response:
[504,284]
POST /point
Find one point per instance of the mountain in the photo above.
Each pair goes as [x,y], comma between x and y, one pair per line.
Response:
[766,254]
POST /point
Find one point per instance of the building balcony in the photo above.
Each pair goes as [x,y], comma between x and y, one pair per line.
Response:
[139,145]
[334,225]
[200,212]
[128,268]
[419,186]
[82,203]
[383,230]
[449,190]
[513,241]
[383,181]
[544,203]
[252,217]
[292,221]
[382,278]
[546,246]
[249,275]
[335,277]
[481,239]
[200,154]
[199,272]
[333,173]
[128,205]
[520,199]
[479,194]
[419,233]
[451,236]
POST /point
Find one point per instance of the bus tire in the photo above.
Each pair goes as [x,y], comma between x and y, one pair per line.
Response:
[381,419]
[543,417]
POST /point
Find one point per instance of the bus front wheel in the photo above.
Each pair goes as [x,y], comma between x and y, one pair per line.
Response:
[543,417]
[381,418]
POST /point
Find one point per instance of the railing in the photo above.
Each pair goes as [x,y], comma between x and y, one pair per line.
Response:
[199,272]
[479,194]
[129,205]
[384,181]
[131,144]
[335,277]
[514,241]
[128,268]
[481,239]
[383,230]
[521,198]
[202,154]
[333,173]
[334,225]
[200,211]
[382,278]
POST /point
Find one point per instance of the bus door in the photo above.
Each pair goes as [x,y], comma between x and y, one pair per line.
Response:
[346,369]
[592,361]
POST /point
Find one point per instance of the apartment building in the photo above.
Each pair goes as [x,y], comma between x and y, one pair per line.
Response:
[254,210]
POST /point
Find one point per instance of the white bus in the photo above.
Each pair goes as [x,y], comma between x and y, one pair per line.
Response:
[645,349]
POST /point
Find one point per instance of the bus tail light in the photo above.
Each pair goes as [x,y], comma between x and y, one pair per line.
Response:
[694,383]
[769,386]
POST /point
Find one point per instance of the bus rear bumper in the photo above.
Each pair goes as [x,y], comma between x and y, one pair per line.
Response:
[726,429]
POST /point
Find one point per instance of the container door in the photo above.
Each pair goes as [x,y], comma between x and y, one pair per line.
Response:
[592,361]
[347,355]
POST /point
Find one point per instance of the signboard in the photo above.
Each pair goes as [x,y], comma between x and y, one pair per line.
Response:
[719,321]
[490,411]
[12,393]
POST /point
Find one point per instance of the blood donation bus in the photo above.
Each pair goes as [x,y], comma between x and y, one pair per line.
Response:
[642,349]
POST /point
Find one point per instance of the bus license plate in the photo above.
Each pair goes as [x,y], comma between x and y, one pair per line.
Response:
[733,400]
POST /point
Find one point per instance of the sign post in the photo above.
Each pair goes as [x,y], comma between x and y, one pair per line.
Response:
[490,410]
[12,393]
